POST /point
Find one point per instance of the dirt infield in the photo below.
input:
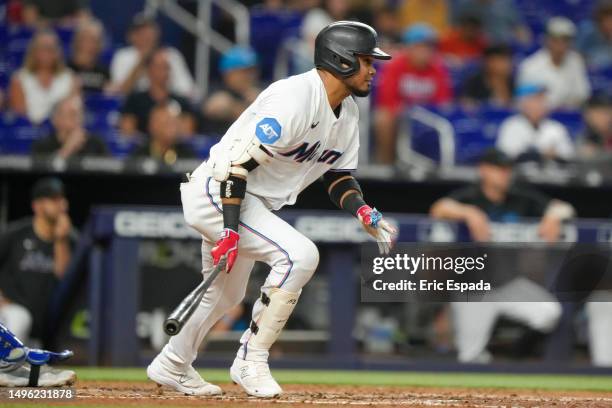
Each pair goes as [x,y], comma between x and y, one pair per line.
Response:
[145,394]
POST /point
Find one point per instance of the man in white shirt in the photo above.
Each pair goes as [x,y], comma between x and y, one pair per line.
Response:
[530,134]
[128,66]
[558,67]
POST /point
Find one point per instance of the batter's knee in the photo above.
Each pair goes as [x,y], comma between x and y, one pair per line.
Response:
[305,261]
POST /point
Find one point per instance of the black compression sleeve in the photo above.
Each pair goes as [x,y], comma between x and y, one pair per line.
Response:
[353,202]
[337,185]
[231,216]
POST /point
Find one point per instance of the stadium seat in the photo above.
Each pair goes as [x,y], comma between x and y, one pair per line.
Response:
[119,145]
[19,134]
[201,144]
[475,131]
[601,80]
[101,113]
[572,120]
[268,31]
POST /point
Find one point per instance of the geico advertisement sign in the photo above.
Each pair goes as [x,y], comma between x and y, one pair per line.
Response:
[152,224]
[527,232]
[332,229]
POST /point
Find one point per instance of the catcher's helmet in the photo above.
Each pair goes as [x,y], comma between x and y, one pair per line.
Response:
[338,44]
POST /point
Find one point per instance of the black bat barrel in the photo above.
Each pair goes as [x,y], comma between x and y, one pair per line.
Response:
[177,319]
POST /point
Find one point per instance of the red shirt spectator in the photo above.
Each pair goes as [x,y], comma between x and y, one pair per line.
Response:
[403,84]
[415,76]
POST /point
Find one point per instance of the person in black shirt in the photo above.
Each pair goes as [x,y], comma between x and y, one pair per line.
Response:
[34,254]
[495,199]
[70,138]
[164,140]
[595,140]
[138,105]
[493,83]
[85,59]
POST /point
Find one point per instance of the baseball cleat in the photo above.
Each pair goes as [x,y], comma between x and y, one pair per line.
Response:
[255,378]
[186,381]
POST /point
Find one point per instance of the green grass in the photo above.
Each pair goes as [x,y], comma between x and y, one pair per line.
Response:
[380,378]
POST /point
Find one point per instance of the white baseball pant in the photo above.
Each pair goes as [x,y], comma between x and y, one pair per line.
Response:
[264,237]
[474,321]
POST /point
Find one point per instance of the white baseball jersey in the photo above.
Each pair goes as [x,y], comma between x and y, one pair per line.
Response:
[293,119]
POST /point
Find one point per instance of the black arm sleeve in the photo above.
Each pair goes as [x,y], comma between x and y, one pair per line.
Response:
[352,201]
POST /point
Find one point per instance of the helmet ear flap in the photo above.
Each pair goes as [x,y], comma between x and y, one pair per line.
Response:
[345,66]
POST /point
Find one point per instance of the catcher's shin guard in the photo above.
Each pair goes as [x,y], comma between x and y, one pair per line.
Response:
[278,308]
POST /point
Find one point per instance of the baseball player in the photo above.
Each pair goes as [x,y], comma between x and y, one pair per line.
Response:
[298,130]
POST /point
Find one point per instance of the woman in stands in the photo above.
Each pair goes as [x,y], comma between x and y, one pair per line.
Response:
[87,45]
[43,80]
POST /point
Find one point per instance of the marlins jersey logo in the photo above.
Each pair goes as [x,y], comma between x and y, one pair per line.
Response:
[304,153]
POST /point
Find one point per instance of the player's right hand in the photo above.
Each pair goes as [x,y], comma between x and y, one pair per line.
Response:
[226,245]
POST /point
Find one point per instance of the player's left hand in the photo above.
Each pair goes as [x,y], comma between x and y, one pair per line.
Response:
[375,225]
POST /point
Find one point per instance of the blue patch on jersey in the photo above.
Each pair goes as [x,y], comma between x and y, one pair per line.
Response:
[268,130]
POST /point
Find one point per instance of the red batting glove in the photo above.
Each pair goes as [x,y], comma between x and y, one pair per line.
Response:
[228,246]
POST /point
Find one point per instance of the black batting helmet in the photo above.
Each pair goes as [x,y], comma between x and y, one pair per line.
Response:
[338,44]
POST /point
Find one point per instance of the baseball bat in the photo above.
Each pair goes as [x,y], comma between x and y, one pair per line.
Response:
[179,316]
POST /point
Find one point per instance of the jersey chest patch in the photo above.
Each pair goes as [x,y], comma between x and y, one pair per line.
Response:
[310,151]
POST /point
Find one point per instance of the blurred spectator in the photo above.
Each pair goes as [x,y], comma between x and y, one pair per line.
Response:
[464,41]
[531,135]
[302,51]
[87,45]
[34,255]
[164,139]
[501,19]
[596,139]
[338,9]
[493,83]
[138,105]
[558,67]
[240,88]
[434,13]
[415,76]
[38,12]
[495,200]
[387,25]
[595,38]
[129,64]
[43,80]
[70,138]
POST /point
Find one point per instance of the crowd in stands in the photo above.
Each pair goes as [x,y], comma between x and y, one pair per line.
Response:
[70,88]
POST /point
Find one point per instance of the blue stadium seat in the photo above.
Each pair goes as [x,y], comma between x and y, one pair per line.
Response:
[572,120]
[119,146]
[601,80]
[19,134]
[101,113]
[17,43]
[268,31]
[475,131]
[201,144]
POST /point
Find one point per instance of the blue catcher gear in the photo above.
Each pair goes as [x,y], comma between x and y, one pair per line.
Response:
[12,350]
[14,354]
